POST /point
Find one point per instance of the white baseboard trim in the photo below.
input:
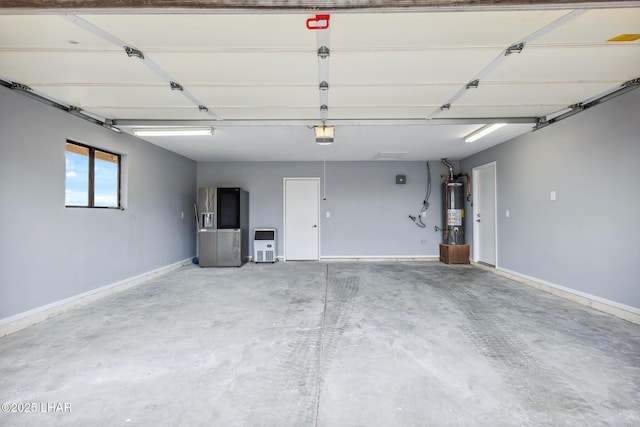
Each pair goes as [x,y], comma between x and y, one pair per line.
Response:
[12,324]
[380,258]
[613,308]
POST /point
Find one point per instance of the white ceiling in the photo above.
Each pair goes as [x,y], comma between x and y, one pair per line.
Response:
[388,74]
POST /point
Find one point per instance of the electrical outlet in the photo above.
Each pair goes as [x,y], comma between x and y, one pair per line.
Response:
[552,195]
[328,214]
[507,213]
[424,214]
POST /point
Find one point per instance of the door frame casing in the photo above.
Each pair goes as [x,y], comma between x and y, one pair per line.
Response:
[284,212]
[476,194]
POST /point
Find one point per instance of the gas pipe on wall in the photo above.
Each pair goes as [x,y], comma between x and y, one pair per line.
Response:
[453,191]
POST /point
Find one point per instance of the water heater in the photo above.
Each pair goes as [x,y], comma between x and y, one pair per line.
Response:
[453,190]
[453,211]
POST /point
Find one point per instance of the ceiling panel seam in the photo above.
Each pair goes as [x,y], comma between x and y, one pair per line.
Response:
[298,6]
[359,49]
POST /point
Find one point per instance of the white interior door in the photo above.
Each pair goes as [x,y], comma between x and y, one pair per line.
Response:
[484,214]
[301,219]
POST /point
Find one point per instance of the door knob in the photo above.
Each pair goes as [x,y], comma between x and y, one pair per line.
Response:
[314,226]
[477,220]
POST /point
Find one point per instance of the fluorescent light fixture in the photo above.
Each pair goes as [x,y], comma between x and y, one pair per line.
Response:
[324,134]
[483,131]
[175,131]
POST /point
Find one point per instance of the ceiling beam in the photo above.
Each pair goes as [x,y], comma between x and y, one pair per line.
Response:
[265,5]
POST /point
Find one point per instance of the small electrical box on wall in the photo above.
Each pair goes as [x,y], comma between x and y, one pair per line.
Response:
[401,179]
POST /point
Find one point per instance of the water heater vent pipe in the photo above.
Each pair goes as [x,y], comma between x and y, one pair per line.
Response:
[447,164]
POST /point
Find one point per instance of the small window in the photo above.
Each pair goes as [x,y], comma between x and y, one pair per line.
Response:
[93,177]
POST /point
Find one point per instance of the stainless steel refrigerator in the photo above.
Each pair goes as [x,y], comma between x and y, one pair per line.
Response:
[223,235]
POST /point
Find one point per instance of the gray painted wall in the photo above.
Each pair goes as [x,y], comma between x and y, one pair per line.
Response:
[369,212]
[589,238]
[49,252]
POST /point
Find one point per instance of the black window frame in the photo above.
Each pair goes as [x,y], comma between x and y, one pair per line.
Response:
[91,184]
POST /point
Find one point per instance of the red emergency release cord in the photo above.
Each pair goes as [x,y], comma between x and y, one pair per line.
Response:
[320,22]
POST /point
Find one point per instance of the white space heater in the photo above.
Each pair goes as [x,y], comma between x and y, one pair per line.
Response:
[264,245]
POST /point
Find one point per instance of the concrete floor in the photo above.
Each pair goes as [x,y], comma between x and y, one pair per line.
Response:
[326,344]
